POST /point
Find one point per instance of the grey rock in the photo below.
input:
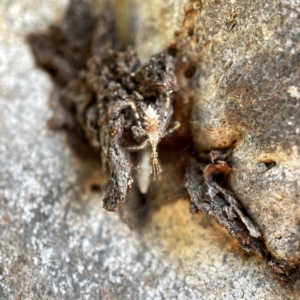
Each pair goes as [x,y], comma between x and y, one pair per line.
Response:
[248,97]
[57,242]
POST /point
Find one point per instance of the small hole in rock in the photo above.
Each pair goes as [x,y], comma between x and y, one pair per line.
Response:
[233,25]
[95,187]
[172,51]
[190,72]
[265,165]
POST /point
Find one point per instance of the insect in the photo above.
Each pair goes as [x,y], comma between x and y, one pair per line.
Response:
[152,126]
[115,102]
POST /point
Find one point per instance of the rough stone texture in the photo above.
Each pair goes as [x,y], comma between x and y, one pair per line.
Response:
[57,242]
[249,70]
[245,93]
[149,26]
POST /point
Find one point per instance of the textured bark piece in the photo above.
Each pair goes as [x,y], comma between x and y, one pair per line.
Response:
[64,49]
[209,197]
[119,168]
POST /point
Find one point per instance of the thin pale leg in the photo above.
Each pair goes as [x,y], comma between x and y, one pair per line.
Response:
[156,168]
[131,102]
[136,114]
[142,146]
[175,127]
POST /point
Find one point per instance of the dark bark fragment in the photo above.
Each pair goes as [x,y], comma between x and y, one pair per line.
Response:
[119,167]
[209,197]
[64,49]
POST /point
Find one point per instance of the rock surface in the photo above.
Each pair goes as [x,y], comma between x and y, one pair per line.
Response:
[249,69]
[245,93]
[57,241]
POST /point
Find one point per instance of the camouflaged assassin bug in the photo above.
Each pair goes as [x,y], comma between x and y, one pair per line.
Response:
[152,127]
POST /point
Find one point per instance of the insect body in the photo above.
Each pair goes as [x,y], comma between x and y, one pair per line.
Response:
[152,127]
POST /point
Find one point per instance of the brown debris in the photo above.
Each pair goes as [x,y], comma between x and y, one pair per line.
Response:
[118,105]
[119,167]
[209,197]
[64,49]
